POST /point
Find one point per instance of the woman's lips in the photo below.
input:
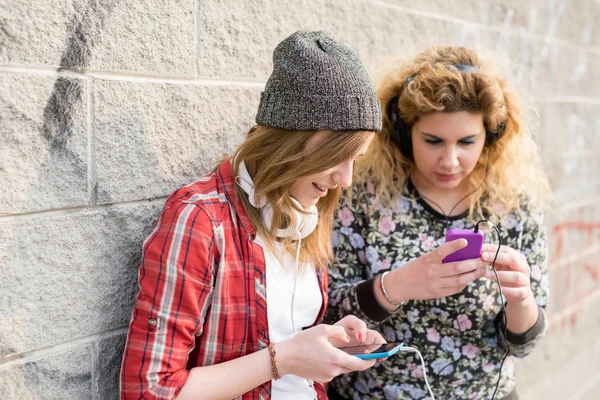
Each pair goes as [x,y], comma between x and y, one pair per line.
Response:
[320,192]
[447,177]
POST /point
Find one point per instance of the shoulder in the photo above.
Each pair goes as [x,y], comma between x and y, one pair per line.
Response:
[526,212]
[206,194]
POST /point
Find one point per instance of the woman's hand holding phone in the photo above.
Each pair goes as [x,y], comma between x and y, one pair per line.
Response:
[428,277]
[357,331]
[513,272]
[311,354]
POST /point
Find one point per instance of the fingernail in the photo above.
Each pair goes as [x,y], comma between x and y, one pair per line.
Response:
[361,337]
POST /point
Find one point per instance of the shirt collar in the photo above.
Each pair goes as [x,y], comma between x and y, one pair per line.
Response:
[225,177]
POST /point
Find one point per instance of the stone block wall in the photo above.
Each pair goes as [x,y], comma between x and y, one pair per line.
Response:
[106,107]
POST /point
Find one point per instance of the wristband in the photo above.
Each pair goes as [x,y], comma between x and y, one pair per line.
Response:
[385,293]
[272,353]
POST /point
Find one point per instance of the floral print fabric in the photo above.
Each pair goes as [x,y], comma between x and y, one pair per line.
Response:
[460,336]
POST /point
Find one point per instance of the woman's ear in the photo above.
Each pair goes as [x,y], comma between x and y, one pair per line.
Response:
[252,130]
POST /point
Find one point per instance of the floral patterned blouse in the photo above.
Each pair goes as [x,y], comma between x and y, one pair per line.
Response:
[459,336]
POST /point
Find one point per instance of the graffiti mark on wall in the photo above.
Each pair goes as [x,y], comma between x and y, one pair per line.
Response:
[575,273]
[85,29]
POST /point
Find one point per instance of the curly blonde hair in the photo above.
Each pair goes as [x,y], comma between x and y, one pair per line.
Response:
[437,85]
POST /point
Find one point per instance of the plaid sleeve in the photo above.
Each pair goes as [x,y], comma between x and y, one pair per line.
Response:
[175,289]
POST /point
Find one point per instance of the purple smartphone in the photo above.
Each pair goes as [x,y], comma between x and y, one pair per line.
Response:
[474,245]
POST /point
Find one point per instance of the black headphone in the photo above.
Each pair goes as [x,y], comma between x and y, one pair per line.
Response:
[400,131]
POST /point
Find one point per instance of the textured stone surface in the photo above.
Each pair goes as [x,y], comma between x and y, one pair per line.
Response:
[566,360]
[468,10]
[69,275]
[110,353]
[60,376]
[229,48]
[525,61]
[43,151]
[239,43]
[150,36]
[571,149]
[578,73]
[151,138]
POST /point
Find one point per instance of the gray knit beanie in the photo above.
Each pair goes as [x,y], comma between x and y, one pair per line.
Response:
[318,84]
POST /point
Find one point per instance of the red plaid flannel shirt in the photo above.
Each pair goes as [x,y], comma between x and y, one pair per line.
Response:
[202,298]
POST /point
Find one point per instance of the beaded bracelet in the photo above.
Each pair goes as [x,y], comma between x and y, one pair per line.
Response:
[272,353]
[385,293]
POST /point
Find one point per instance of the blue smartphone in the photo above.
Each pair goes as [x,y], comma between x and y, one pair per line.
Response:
[370,352]
[474,244]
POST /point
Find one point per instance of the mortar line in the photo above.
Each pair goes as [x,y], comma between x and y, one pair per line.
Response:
[494,28]
[130,77]
[579,203]
[92,173]
[573,308]
[72,210]
[571,99]
[196,38]
[561,262]
[33,355]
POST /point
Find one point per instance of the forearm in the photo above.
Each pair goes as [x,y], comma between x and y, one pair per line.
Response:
[521,316]
[228,380]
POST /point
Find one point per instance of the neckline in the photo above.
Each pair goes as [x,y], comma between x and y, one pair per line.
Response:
[412,190]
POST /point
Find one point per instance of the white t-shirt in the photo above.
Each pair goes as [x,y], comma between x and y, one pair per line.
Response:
[307,304]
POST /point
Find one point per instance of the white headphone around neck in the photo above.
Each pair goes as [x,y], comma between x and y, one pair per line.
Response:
[302,223]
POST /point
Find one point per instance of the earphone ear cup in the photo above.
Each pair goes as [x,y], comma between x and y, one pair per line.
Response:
[244,181]
[310,221]
[400,132]
[493,137]
[405,138]
[303,223]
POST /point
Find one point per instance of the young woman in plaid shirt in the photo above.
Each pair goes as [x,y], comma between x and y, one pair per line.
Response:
[232,281]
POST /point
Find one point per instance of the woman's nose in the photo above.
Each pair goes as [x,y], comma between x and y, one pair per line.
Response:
[342,175]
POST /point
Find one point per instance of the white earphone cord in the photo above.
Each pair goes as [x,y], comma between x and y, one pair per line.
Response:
[413,350]
[296,278]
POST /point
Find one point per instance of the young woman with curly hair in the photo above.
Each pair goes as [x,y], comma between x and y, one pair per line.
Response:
[454,150]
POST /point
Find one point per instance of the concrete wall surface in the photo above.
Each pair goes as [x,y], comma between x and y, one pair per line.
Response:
[108,106]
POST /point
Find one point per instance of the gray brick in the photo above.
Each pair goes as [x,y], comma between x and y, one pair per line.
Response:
[151,36]
[572,231]
[577,73]
[527,63]
[229,48]
[153,138]
[239,43]
[110,354]
[61,376]
[69,275]
[566,359]
[570,149]
[468,10]
[403,35]
[585,12]
[551,20]
[43,156]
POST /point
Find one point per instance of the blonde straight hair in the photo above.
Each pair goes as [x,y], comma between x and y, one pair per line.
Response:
[275,158]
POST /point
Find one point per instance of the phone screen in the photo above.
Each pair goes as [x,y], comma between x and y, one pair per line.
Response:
[372,348]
